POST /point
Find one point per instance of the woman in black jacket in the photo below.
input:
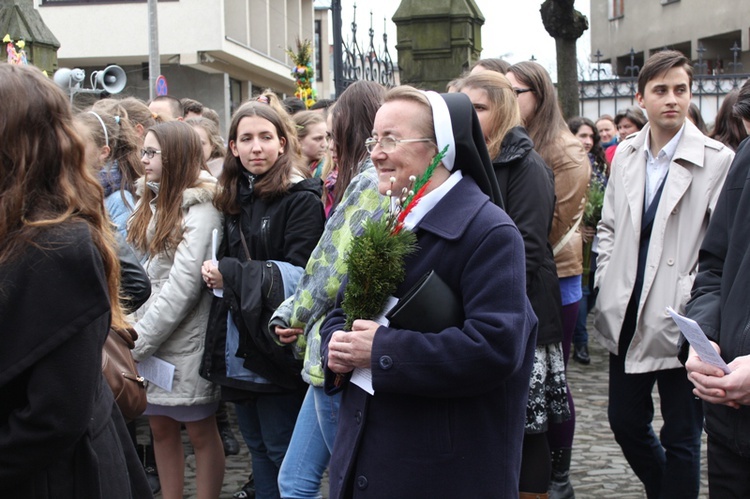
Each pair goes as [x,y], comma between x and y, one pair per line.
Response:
[528,191]
[273,219]
[61,434]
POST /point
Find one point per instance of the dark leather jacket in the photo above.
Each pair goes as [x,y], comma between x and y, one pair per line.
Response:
[527,186]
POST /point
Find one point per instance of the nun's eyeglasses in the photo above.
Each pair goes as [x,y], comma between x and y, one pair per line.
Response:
[388,144]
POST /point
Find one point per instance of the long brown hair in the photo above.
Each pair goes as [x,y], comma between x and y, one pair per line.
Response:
[547,127]
[44,179]
[574,124]
[353,118]
[120,137]
[728,127]
[182,161]
[272,184]
[504,110]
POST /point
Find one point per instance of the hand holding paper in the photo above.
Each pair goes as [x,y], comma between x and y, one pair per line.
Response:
[698,340]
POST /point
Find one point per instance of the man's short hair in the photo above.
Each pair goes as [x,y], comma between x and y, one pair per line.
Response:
[660,63]
[174,104]
[322,104]
[293,105]
[191,106]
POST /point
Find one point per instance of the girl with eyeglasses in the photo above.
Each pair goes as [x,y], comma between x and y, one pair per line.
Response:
[172,227]
[565,155]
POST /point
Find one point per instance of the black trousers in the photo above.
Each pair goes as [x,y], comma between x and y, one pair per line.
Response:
[668,465]
[728,472]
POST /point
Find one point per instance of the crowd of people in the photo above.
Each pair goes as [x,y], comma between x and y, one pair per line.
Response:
[521,224]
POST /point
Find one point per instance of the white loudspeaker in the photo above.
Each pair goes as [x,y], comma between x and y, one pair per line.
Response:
[111,79]
[69,78]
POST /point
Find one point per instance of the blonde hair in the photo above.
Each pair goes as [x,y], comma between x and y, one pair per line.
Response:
[504,110]
[212,130]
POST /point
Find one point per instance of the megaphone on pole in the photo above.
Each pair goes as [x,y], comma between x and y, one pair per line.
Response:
[111,79]
[68,79]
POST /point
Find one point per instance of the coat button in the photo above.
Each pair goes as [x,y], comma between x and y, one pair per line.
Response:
[361,482]
[386,362]
[670,261]
[675,211]
[358,417]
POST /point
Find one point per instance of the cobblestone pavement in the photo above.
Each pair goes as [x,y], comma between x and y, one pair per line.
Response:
[598,468]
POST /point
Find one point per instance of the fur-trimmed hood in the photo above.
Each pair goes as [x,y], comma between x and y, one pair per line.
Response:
[204,192]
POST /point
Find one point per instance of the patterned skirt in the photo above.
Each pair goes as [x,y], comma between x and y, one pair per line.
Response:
[548,400]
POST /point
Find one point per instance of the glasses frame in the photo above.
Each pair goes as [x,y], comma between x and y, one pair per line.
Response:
[150,153]
[371,142]
[520,91]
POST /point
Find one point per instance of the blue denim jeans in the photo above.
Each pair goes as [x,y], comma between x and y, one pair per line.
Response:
[310,449]
[668,465]
[266,423]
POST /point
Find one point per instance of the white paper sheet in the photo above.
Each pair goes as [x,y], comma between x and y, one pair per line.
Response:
[157,371]
[362,377]
[214,259]
[698,340]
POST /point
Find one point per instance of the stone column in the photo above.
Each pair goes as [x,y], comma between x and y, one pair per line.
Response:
[436,41]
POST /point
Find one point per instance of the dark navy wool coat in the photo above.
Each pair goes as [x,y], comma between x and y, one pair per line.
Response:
[447,417]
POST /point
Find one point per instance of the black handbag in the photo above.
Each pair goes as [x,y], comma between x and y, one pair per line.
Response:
[429,306]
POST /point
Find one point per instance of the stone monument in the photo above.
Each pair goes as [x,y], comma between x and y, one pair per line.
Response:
[436,41]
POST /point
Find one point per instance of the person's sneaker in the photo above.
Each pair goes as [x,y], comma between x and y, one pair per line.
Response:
[153,479]
[581,354]
[247,491]
[228,440]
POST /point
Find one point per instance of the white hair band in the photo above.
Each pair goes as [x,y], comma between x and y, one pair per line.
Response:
[104,127]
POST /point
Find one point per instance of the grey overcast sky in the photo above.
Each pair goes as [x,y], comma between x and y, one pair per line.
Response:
[512,30]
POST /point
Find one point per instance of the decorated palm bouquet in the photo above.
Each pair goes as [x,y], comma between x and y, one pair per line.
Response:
[375,261]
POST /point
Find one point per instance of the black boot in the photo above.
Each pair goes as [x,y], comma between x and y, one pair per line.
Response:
[228,440]
[581,354]
[559,485]
[149,466]
[248,490]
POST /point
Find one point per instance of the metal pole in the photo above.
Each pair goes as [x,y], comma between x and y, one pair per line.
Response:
[338,63]
[154,67]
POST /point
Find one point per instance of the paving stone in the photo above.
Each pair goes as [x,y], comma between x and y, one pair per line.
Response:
[598,468]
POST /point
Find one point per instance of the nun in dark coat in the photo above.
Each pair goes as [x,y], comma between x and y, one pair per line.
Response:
[446,416]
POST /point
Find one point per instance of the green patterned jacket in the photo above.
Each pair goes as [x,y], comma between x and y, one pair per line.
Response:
[316,292]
